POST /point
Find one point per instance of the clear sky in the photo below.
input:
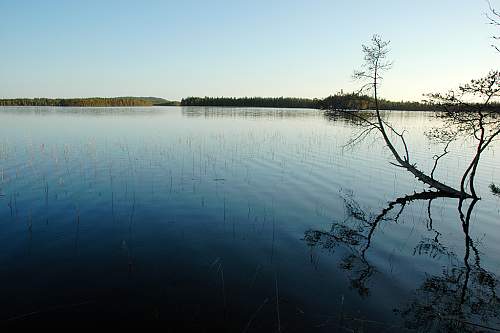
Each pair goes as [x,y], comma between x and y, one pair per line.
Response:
[174,49]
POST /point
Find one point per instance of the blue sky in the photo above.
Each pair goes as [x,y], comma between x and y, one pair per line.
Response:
[175,49]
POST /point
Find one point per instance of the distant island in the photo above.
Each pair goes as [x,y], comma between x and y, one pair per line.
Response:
[89,102]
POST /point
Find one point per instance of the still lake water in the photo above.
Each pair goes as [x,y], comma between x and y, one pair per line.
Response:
[238,219]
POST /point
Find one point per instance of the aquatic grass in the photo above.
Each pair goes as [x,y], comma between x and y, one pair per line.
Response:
[254,315]
[30,222]
[277,303]
[48,310]
[218,267]
[233,158]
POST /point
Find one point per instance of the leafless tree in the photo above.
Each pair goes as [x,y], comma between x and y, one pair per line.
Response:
[371,74]
[468,112]
[494,19]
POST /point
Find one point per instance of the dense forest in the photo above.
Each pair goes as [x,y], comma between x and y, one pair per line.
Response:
[338,101]
[168,103]
[363,102]
[93,101]
[333,102]
[271,102]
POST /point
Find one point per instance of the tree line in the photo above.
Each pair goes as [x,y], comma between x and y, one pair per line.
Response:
[86,102]
[272,102]
[354,101]
[339,101]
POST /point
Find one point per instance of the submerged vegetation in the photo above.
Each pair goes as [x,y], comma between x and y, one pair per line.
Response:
[495,189]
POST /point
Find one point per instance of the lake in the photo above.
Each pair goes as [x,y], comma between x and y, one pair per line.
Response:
[240,220]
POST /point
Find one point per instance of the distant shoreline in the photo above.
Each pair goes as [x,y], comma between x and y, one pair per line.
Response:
[204,106]
[88,102]
[334,102]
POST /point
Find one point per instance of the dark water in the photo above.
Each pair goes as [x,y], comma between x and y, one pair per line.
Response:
[238,219]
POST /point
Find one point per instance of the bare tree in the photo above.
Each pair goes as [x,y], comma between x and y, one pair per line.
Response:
[494,19]
[375,65]
[468,112]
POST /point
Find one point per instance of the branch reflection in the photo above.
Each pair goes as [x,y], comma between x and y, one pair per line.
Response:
[462,298]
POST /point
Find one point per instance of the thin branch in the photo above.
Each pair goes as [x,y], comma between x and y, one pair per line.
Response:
[438,157]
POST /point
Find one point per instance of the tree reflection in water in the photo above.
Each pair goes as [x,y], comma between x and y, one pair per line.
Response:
[462,298]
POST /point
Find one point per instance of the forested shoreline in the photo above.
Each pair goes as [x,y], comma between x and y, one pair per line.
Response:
[338,101]
[271,102]
[333,102]
[87,102]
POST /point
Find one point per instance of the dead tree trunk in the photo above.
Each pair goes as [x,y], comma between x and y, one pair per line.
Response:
[405,163]
[375,64]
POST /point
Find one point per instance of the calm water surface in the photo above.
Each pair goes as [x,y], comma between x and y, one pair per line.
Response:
[238,219]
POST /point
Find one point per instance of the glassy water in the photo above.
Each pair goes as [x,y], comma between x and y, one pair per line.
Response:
[238,219]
